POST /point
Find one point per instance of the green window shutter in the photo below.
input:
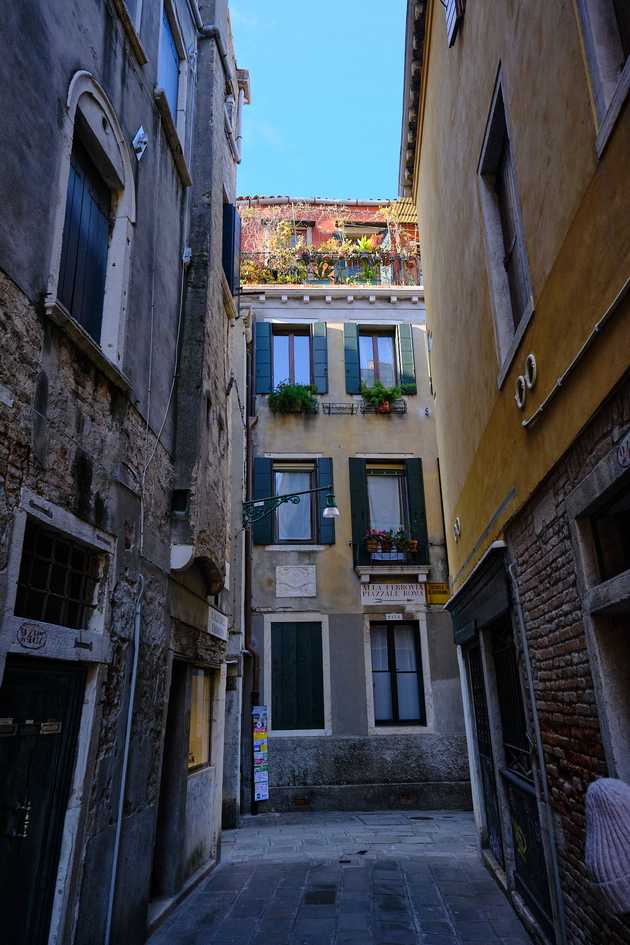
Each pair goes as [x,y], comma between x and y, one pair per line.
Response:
[262,531]
[263,358]
[351,354]
[417,509]
[360,514]
[297,678]
[320,358]
[326,527]
[406,364]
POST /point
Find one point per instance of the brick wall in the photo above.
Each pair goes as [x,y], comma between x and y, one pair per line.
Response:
[540,543]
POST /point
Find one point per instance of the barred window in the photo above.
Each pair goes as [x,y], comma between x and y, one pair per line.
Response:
[58,578]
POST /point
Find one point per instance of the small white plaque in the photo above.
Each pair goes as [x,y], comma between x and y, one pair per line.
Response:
[393,593]
[389,617]
[217,624]
[296,580]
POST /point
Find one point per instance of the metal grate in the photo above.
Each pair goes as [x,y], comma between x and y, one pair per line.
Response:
[58,578]
[398,407]
[348,408]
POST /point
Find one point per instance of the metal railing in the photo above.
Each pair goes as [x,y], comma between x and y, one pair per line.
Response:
[382,558]
[312,268]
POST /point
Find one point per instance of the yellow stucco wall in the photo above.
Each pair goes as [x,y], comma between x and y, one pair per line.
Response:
[576,221]
[340,437]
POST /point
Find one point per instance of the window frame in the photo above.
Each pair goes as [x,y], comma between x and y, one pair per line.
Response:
[391,627]
[301,617]
[498,141]
[169,11]
[605,603]
[375,334]
[300,467]
[291,332]
[399,472]
[608,93]
[87,105]
[55,640]
[208,675]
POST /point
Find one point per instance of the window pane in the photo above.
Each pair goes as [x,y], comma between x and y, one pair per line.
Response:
[384,502]
[366,358]
[168,73]
[302,359]
[379,648]
[382,687]
[405,646]
[386,361]
[199,738]
[294,521]
[408,697]
[280,359]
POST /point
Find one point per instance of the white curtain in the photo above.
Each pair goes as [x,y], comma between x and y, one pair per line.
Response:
[294,521]
[384,502]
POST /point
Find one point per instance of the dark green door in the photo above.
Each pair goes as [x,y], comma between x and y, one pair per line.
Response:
[40,707]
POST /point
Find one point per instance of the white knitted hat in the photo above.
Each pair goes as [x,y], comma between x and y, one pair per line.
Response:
[608,840]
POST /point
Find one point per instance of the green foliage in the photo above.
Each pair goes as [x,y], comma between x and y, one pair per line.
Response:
[378,394]
[293,398]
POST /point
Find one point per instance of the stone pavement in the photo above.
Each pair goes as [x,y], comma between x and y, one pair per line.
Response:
[403,878]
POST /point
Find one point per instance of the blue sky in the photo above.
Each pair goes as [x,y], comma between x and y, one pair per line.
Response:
[326,96]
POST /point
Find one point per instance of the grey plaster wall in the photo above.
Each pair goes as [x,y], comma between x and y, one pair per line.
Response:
[87,446]
[347,670]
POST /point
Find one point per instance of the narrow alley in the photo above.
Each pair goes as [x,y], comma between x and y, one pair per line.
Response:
[382,878]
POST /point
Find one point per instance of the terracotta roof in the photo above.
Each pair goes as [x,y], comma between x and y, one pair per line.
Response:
[404,211]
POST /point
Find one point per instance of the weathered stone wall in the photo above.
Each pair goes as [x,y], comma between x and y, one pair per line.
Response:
[540,541]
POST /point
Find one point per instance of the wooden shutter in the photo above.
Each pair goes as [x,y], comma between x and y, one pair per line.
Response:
[326,526]
[320,357]
[454,12]
[232,246]
[351,354]
[417,509]
[406,364]
[263,357]
[262,531]
[85,243]
[297,679]
[360,514]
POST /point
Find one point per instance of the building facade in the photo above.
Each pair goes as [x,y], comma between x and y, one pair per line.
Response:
[515,139]
[118,233]
[353,658]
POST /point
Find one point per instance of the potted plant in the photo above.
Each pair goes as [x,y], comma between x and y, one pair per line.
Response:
[372,540]
[404,542]
[387,541]
[379,396]
[293,398]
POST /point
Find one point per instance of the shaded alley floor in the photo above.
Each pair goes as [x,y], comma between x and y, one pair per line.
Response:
[380,878]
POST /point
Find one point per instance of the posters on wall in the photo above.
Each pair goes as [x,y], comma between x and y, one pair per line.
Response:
[261,753]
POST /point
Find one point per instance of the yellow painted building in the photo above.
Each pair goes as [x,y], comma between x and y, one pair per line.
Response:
[516,150]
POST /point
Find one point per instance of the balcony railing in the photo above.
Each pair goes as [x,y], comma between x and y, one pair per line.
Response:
[382,269]
[388,558]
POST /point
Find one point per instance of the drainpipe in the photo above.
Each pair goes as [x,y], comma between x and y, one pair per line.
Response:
[546,804]
[123,778]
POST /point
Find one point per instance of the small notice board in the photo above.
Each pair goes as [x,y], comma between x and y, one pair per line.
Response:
[261,753]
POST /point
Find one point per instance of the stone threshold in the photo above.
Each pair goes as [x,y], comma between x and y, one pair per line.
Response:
[160,909]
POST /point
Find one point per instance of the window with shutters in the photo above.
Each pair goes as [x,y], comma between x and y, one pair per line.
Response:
[297,676]
[291,356]
[606,33]
[453,15]
[397,685]
[387,497]
[93,228]
[169,60]
[294,522]
[505,242]
[377,356]
[85,243]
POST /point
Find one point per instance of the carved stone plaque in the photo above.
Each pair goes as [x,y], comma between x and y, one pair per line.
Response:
[296,580]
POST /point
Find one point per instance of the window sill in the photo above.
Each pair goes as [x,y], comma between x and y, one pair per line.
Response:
[609,597]
[300,733]
[86,344]
[130,30]
[614,110]
[421,571]
[416,729]
[296,547]
[172,137]
[506,364]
